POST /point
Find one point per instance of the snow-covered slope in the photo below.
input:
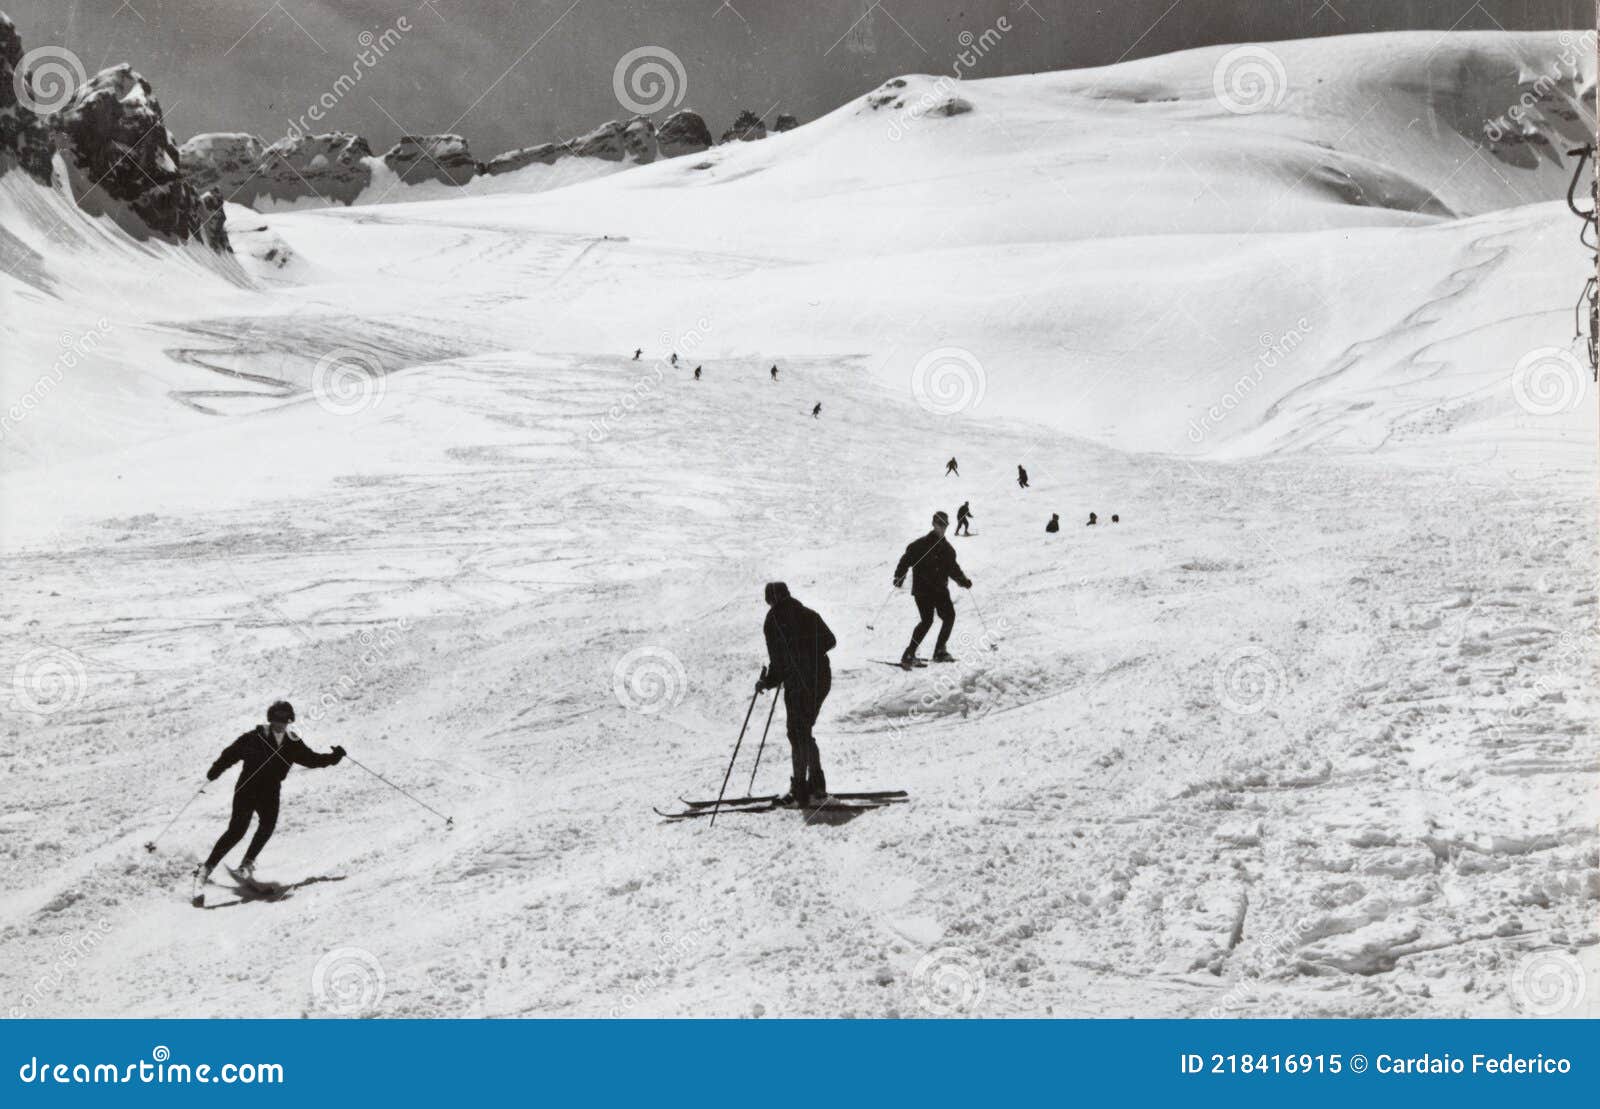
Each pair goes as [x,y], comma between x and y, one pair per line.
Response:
[1308,732]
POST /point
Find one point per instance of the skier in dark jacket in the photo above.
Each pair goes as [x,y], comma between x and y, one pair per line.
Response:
[950,468]
[817,411]
[774,372]
[1022,477]
[1055,523]
[798,642]
[964,519]
[932,563]
[697,373]
[637,351]
[265,755]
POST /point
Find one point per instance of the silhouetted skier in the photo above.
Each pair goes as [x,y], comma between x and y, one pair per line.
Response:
[674,358]
[637,352]
[774,373]
[817,411]
[932,563]
[963,519]
[697,373]
[1115,519]
[798,642]
[1055,523]
[950,468]
[265,755]
[1022,477]
[1093,520]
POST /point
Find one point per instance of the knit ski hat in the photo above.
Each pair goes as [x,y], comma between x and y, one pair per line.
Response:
[941,517]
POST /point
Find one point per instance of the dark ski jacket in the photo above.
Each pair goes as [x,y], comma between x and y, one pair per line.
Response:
[932,562]
[798,642]
[263,763]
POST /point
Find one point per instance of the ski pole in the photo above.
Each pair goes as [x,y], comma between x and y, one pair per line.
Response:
[448,820]
[736,745]
[879,613]
[150,845]
[770,713]
[993,646]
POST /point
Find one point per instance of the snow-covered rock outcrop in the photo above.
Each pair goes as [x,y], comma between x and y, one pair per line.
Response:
[442,158]
[683,132]
[121,161]
[334,167]
[23,136]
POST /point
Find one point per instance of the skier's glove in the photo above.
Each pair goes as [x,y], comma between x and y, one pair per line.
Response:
[899,581]
[967,584]
[338,754]
[761,682]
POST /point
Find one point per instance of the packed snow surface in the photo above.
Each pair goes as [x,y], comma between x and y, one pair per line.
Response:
[1310,731]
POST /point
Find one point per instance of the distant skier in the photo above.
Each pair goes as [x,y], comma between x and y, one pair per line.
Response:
[1055,523]
[1022,477]
[774,372]
[817,411]
[1115,519]
[674,358]
[950,468]
[697,373]
[265,756]
[798,642]
[964,519]
[932,563]
[637,353]
[1093,520]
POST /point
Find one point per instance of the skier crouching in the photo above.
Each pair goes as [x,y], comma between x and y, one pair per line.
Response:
[798,642]
[265,755]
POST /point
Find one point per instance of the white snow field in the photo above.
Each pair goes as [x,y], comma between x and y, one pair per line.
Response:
[1309,732]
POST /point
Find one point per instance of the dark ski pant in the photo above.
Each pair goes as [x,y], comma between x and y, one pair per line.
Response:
[246,805]
[800,708]
[928,606]
[963,527]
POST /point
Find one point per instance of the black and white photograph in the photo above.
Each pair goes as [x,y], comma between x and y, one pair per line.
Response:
[878,509]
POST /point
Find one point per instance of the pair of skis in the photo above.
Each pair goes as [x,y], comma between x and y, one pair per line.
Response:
[836,802]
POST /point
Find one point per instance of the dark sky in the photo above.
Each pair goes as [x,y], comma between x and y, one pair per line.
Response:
[509,73]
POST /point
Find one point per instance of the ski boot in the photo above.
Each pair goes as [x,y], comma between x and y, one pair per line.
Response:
[943,656]
[197,896]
